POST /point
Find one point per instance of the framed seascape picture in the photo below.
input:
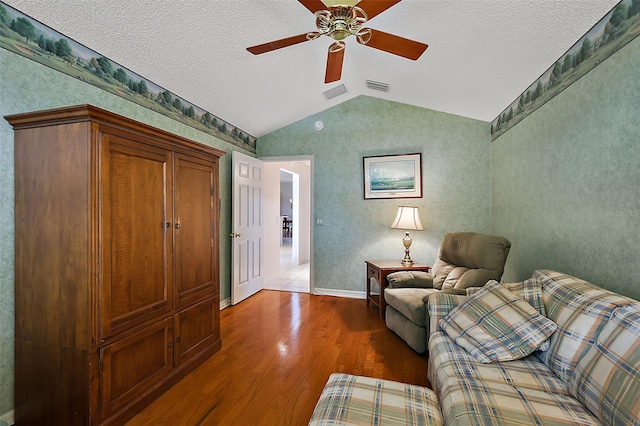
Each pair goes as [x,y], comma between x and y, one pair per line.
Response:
[393,176]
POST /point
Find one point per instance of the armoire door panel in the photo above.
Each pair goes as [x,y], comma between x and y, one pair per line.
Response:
[137,236]
[195,201]
[134,364]
[196,329]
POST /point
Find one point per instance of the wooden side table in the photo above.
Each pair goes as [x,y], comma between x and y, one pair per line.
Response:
[379,269]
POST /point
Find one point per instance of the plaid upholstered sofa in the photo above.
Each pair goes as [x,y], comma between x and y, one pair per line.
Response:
[586,373]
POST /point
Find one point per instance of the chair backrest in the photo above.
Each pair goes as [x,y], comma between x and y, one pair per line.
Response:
[469,259]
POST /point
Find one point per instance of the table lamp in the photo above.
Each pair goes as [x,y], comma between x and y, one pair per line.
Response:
[407,218]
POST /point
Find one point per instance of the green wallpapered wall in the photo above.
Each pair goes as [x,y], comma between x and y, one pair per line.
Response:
[566,180]
[456,182]
[28,86]
[562,184]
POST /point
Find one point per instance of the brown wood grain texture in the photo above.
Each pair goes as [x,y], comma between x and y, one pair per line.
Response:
[48,277]
[396,45]
[194,229]
[137,267]
[279,350]
[375,7]
[313,5]
[334,66]
[278,44]
[98,332]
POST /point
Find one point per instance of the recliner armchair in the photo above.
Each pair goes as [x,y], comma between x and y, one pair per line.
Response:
[465,259]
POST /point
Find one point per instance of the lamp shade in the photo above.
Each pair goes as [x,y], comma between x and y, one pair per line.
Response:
[407,218]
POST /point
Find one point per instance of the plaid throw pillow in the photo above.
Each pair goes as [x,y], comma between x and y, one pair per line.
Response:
[529,290]
[496,325]
[607,378]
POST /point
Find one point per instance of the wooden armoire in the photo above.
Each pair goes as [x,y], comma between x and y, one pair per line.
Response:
[116,264]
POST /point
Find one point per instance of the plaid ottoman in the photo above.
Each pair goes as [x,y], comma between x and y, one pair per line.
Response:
[357,400]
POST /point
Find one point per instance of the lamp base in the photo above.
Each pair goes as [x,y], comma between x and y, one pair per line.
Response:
[407,243]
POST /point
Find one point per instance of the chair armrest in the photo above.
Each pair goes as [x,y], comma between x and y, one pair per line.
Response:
[439,305]
[414,279]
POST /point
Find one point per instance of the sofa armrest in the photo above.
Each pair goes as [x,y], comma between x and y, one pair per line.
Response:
[456,291]
[439,305]
[413,279]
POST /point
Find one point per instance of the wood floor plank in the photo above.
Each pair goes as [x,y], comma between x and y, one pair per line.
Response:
[278,350]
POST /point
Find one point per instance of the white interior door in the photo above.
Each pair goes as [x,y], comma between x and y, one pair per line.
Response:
[247,233]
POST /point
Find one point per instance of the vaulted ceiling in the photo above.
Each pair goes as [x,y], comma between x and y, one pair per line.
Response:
[482,53]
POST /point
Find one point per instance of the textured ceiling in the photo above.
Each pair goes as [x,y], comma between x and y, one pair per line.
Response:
[482,53]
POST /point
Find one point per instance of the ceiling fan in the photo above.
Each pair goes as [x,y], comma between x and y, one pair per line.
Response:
[340,19]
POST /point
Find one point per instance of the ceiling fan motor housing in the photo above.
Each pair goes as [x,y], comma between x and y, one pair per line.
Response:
[339,22]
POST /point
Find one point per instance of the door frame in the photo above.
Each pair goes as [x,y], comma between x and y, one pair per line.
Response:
[310,159]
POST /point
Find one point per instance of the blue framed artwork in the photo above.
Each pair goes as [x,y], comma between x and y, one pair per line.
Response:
[393,176]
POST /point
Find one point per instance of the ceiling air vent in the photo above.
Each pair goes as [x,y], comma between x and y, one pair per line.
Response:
[376,85]
[335,91]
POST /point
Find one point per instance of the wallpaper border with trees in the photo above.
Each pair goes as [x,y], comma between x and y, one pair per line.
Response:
[30,38]
[610,34]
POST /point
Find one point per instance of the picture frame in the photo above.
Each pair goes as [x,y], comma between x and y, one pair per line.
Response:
[393,176]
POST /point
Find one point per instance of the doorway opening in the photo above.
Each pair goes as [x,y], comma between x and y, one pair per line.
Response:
[287,220]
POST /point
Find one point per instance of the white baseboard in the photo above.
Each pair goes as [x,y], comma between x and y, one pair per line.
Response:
[318,291]
[7,417]
[225,303]
[340,293]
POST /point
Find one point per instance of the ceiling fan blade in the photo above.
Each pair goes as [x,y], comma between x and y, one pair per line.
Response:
[313,5]
[375,7]
[334,63]
[397,45]
[278,44]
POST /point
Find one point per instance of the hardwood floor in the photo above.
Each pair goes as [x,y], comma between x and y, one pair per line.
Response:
[278,350]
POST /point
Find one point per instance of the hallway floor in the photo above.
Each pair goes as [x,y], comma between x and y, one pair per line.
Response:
[290,277]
